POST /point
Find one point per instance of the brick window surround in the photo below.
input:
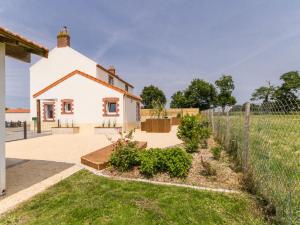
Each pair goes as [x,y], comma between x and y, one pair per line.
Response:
[45,105]
[63,109]
[104,107]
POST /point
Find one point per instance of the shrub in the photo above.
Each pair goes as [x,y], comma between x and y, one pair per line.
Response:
[125,157]
[208,169]
[178,162]
[216,151]
[175,161]
[149,162]
[192,131]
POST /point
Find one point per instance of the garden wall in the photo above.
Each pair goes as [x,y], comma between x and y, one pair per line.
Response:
[150,113]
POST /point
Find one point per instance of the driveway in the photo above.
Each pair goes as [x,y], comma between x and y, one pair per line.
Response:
[58,148]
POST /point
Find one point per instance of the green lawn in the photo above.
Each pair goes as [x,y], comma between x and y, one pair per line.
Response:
[85,198]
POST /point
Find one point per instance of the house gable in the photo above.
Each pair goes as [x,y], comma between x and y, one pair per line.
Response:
[77,72]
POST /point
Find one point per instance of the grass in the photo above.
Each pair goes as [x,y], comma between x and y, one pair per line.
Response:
[85,198]
[274,159]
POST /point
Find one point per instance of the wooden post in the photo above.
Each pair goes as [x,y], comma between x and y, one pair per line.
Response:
[2,119]
[227,135]
[25,129]
[38,115]
[245,154]
[212,121]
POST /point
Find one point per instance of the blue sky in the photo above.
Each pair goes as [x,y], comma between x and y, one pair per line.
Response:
[166,43]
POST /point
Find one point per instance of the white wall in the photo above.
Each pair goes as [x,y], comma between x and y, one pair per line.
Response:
[130,113]
[87,98]
[60,62]
[2,116]
[17,117]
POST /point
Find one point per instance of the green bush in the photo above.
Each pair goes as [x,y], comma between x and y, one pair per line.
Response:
[178,162]
[175,161]
[149,162]
[125,157]
[216,151]
[192,131]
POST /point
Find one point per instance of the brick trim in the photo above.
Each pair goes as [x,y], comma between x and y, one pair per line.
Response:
[111,100]
[44,112]
[63,101]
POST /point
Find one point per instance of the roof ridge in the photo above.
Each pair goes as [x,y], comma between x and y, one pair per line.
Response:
[62,79]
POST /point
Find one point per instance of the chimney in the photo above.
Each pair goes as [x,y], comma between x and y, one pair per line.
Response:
[63,38]
[112,70]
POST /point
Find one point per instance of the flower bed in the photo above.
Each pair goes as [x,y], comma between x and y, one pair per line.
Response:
[225,177]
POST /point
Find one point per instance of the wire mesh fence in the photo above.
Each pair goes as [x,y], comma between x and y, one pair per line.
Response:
[264,141]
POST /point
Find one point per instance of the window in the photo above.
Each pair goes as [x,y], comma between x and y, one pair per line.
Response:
[111,80]
[49,111]
[67,106]
[110,107]
[126,87]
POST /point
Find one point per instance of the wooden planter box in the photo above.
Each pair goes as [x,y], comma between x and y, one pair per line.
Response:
[143,126]
[65,130]
[158,125]
[99,158]
[107,130]
[175,121]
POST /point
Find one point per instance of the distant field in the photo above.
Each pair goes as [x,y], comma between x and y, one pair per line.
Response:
[274,157]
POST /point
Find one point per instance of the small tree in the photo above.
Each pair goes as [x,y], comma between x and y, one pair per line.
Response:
[225,86]
[150,94]
[158,108]
[192,131]
[264,93]
[178,100]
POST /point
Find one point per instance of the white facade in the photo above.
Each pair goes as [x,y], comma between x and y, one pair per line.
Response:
[88,95]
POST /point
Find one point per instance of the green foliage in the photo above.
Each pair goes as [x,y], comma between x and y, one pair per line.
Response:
[263,93]
[225,87]
[178,100]
[192,131]
[199,94]
[175,161]
[178,162]
[216,151]
[158,108]
[151,94]
[124,157]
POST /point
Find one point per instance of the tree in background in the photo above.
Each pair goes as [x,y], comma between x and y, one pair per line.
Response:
[264,93]
[290,87]
[178,100]
[200,94]
[225,87]
[152,94]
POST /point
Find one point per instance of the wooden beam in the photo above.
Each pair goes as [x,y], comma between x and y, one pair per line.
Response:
[18,52]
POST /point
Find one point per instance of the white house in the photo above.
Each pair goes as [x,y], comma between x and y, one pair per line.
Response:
[73,89]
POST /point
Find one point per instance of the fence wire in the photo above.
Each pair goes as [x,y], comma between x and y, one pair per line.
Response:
[273,146]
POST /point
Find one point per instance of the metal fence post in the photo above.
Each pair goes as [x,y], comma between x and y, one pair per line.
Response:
[25,129]
[245,155]
[227,137]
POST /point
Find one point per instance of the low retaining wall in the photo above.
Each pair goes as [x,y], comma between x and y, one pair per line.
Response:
[65,130]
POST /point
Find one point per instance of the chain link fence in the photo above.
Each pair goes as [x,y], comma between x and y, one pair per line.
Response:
[264,141]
